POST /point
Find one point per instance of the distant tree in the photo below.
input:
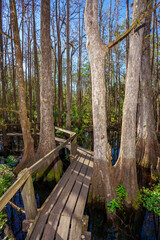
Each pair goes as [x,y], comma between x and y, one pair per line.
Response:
[36,69]
[3,80]
[79,81]
[59,64]
[68,92]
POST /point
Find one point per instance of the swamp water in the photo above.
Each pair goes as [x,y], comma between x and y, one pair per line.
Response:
[136,225]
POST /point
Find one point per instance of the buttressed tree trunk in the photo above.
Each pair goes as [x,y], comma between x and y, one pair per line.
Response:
[47,135]
[25,124]
[97,52]
[147,145]
[126,164]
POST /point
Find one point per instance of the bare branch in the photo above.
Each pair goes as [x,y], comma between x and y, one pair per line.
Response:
[9,110]
[133,26]
[6,35]
[19,209]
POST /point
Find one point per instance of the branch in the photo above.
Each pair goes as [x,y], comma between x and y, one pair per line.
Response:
[126,33]
[19,209]
[6,35]
[9,110]
[7,53]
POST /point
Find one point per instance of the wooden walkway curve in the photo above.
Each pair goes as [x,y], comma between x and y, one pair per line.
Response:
[61,215]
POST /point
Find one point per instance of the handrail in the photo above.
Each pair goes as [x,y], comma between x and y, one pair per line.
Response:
[40,162]
[27,172]
[13,189]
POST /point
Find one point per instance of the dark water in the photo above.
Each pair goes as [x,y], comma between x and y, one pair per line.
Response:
[15,218]
[140,225]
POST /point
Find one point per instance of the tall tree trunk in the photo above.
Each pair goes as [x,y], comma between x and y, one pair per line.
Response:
[147,144]
[47,135]
[109,70]
[68,98]
[100,179]
[153,40]
[100,16]
[79,82]
[22,28]
[126,164]
[29,74]
[25,124]
[54,83]
[36,70]
[59,63]
[117,67]
[14,77]
[127,27]
[158,81]
[2,67]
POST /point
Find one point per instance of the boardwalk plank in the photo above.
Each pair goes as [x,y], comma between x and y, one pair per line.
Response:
[62,200]
[57,209]
[61,216]
[37,231]
[51,227]
[76,229]
[75,232]
[63,229]
[68,210]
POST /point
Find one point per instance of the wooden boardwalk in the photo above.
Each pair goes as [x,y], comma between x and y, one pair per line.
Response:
[61,215]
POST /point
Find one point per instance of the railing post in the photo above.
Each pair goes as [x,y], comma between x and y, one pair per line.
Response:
[29,200]
[74,146]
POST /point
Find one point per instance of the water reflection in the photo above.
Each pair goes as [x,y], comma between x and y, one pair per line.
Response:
[15,218]
[131,224]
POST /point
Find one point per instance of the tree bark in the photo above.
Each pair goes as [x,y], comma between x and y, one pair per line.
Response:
[126,163]
[4,101]
[14,76]
[29,73]
[59,63]
[47,134]
[25,124]
[127,27]
[100,179]
[68,97]
[36,70]
[79,81]
[147,144]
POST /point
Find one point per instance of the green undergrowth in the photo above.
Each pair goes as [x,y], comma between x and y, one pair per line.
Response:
[119,201]
[149,198]
[6,180]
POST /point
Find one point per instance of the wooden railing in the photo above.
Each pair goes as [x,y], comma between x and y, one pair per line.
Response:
[24,180]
